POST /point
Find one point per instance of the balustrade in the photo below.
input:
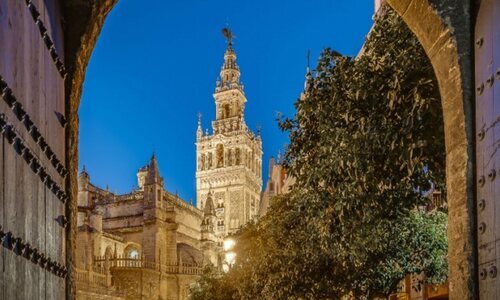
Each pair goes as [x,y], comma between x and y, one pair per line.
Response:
[122,261]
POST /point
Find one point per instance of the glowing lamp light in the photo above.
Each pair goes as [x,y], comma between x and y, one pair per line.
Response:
[228,244]
[230,256]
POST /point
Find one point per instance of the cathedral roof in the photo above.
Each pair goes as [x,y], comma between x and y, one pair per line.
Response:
[188,255]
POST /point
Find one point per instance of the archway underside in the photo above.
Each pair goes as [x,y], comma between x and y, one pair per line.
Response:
[441,47]
[446,53]
[85,20]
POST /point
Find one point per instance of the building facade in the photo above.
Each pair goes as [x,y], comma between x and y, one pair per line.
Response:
[229,161]
[278,183]
[146,244]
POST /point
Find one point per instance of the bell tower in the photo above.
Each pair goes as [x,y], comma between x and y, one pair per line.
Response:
[229,96]
[229,161]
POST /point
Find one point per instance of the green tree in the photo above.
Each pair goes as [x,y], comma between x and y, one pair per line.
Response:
[365,144]
[213,285]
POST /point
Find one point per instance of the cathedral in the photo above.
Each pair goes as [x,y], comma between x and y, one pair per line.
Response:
[151,244]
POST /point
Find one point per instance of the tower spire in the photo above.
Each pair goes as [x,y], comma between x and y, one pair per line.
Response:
[308,70]
[153,173]
[308,77]
[230,72]
[199,131]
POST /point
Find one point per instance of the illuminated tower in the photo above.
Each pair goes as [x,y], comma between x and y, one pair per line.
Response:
[229,161]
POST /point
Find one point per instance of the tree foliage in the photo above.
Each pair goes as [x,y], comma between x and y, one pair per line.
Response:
[365,144]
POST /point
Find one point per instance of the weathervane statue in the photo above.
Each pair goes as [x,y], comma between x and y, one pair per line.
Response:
[226,32]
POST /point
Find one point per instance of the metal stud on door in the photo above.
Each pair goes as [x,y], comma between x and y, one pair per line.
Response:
[487,63]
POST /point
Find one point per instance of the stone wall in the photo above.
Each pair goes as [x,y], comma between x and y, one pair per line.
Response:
[137,283]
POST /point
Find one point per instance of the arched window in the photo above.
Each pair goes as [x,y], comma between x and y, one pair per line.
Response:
[220,156]
[252,162]
[108,255]
[249,160]
[202,162]
[132,252]
[226,110]
[210,159]
[230,157]
[238,156]
[133,257]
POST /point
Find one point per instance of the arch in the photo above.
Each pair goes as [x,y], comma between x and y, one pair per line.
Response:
[253,162]
[108,253]
[210,161]
[80,38]
[445,52]
[446,39]
[229,159]
[220,155]
[226,110]
[201,167]
[237,155]
[249,159]
[108,256]
[132,251]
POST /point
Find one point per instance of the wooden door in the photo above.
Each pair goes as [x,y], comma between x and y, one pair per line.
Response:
[487,82]
[32,150]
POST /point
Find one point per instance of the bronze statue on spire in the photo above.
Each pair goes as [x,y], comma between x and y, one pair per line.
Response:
[228,34]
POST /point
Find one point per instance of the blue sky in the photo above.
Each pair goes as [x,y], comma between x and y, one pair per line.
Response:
[156,62]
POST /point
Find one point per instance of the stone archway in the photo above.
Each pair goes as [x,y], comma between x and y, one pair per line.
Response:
[85,21]
[444,30]
[447,43]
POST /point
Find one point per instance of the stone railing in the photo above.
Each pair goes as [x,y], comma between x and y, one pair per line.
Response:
[140,263]
[91,277]
[96,282]
[130,196]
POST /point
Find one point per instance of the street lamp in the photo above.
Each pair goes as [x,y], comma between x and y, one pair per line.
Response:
[228,244]
[229,256]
